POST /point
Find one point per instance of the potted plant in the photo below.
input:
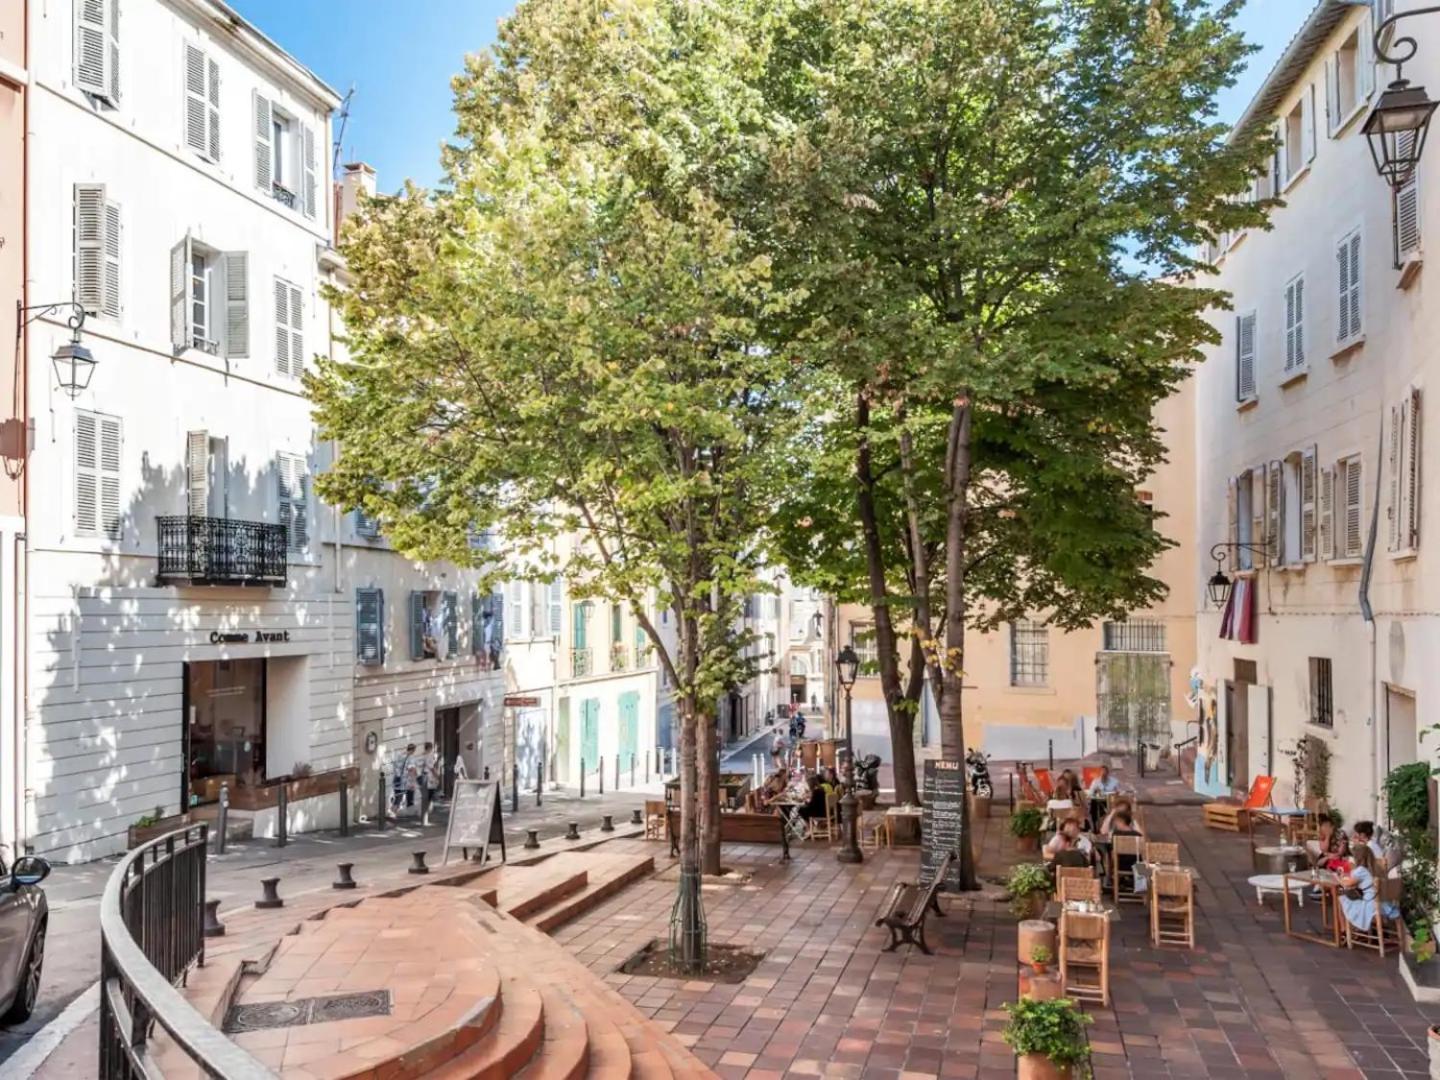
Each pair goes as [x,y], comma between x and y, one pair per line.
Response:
[1028,885]
[1025,825]
[1048,1038]
[1420,941]
[1040,957]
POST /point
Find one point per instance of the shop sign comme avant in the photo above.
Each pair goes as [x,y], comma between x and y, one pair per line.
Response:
[241,637]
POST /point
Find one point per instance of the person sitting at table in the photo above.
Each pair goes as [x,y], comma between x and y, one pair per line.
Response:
[1121,820]
[830,781]
[1104,785]
[1069,838]
[815,807]
[773,789]
[1330,843]
[1062,800]
[1360,911]
[1364,835]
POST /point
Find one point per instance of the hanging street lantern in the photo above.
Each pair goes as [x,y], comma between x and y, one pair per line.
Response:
[1400,120]
[74,363]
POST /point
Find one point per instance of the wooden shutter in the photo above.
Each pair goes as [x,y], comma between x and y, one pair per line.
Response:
[1232,512]
[297,332]
[1394,467]
[282,327]
[112,54]
[180,307]
[87,474]
[1307,123]
[1295,325]
[1406,207]
[1308,463]
[212,107]
[1332,94]
[557,601]
[497,616]
[1347,316]
[262,112]
[1412,475]
[197,119]
[1327,513]
[515,596]
[92,47]
[236,266]
[197,467]
[1365,57]
[111,302]
[1354,544]
[1244,357]
[109,428]
[1275,512]
[366,526]
[450,613]
[370,626]
[294,488]
[477,624]
[90,247]
[307,135]
[1256,479]
[1356,285]
[417,625]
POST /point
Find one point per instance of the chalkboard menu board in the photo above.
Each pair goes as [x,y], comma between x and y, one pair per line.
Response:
[941,828]
[474,819]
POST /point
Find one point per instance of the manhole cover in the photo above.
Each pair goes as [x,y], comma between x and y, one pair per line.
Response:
[263,1015]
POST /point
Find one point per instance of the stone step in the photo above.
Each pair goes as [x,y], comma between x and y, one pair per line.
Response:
[604,882]
[513,1043]
[565,1053]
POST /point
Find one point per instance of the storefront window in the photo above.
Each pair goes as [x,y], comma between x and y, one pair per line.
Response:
[227,725]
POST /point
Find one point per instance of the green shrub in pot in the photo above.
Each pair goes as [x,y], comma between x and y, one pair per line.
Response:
[1053,1029]
[1025,881]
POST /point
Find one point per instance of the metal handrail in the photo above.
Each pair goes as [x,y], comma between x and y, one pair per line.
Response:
[135,995]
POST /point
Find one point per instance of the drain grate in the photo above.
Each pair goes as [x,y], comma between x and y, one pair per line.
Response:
[263,1015]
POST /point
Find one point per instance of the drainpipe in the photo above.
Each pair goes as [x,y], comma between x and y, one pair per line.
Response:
[22,543]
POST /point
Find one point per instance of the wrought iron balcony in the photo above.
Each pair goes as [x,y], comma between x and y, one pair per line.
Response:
[581,663]
[219,551]
[619,657]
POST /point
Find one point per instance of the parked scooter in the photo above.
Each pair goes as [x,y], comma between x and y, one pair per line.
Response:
[978,764]
[867,773]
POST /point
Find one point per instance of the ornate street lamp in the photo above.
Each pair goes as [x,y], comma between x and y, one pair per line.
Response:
[1219,585]
[847,666]
[1400,120]
[74,363]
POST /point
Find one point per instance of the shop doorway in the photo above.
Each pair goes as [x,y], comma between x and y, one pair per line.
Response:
[1237,726]
[797,689]
[224,733]
[1401,745]
[447,739]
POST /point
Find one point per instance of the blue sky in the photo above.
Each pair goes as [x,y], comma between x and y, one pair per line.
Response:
[400,54]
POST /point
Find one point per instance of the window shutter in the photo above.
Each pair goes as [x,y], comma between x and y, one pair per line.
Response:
[92,47]
[197,465]
[1297,288]
[1275,512]
[417,625]
[262,143]
[197,121]
[1332,95]
[110,304]
[1365,59]
[557,600]
[370,626]
[110,476]
[212,107]
[1327,513]
[1406,209]
[87,474]
[366,526]
[1307,506]
[497,616]
[1244,357]
[112,40]
[1412,475]
[237,303]
[90,247]
[1307,123]
[1394,467]
[297,332]
[180,310]
[1356,326]
[1257,513]
[1232,518]
[1354,546]
[294,487]
[450,612]
[282,327]
[1290,321]
[308,139]
[477,624]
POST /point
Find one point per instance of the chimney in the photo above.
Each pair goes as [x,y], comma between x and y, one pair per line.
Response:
[358,177]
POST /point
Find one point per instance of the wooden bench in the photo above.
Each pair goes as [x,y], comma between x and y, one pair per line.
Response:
[738,827]
[907,905]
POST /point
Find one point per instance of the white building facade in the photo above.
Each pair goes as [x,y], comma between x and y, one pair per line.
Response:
[1309,430]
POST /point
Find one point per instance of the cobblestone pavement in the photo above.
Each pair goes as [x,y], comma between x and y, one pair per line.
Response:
[826,1001]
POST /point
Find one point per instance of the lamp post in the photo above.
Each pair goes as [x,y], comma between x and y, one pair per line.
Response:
[1400,120]
[1219,585]
[74,363]
[847,666]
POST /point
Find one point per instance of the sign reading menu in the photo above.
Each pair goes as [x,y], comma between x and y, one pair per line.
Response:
[941,828]
[474,819]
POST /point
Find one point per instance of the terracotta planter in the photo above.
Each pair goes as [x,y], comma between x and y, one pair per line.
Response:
[1039,1067]
[1043,988]
[1032,934]
[143,834]
[1027,843]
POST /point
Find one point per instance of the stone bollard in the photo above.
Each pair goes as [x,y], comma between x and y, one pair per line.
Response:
[270,888]
[635,818]
[573,832]
[417,866]
[532,839]
[606,824]
[344,881]
[213,926]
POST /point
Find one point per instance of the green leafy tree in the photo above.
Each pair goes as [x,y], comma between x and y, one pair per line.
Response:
[566,340]
[992,207]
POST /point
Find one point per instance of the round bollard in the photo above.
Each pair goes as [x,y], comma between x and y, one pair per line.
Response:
[344,881]
[418,866]
[573,832]
[270,898]
[635,818]
[213,926]
[532,839]
[606,824]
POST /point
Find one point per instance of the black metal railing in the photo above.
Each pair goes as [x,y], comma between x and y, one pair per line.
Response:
[215,551]
[152,932]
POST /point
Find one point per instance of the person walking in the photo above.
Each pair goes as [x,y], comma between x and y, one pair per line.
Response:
[411,769]
[430,781]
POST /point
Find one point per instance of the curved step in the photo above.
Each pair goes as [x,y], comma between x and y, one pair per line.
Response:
[510,1046]
[565,1053]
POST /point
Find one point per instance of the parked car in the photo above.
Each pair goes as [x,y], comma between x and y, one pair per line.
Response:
[24,915]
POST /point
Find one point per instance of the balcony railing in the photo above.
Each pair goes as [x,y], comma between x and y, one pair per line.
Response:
[619,657]
[582,663]
[219,551]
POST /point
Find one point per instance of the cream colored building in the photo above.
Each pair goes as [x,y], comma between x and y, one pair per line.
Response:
[1310,427]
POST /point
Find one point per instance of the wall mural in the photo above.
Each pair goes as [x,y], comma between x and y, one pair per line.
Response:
[1210,767]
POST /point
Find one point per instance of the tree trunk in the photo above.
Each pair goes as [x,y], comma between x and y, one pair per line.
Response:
[707,753]
[952,721]
[902,720]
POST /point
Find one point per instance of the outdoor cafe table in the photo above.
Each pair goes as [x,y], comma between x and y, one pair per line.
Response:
[1329,886]
[906,813]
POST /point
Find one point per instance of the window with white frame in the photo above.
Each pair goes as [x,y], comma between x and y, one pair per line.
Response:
[97,474]
[1295,325]
[285,156]
[862,639]
[1245,357]
[97,251]
[1297,134]
[1349,78]
[1349,300]
[289,329]
[1349,502]
[1403,511]
[293,489]
[97,49]
[1029,653]
[209,299]
[202,103]
[1243,525]
[1298,509]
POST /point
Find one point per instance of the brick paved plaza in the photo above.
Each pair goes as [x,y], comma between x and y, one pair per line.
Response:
[826,1001]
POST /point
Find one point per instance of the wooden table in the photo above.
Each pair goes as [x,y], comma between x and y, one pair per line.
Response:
[1329,886]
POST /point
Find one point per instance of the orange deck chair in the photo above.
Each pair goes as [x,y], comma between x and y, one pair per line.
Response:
[1231,816]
